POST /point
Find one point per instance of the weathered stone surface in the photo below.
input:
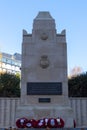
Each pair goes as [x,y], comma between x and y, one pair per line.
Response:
[44,59]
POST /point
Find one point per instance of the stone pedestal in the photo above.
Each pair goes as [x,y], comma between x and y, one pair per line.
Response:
[35,112]
[44,86]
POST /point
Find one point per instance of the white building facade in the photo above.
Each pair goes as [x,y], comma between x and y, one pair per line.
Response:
[10,63]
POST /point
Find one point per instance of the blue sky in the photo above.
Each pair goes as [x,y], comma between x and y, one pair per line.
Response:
[16,15]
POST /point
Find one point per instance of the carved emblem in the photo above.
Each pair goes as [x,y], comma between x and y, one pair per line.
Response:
[44,36]
[44,61]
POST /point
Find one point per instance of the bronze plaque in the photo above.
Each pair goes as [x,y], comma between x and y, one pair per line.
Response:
[44,88]
[44,100]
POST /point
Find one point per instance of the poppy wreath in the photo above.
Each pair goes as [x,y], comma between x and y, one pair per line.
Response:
[21,123]
[31,123]
[52,123]
[60,123]
[41,123]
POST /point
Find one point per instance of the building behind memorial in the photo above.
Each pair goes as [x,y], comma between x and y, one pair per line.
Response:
[10,63]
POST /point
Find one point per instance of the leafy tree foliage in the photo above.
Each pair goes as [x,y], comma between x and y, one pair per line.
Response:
[9,85]
[78,86]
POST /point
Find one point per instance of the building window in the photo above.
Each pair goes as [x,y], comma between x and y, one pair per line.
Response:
[4,60]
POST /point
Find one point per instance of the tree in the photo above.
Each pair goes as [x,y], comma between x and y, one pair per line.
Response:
[9,85]
[78,86]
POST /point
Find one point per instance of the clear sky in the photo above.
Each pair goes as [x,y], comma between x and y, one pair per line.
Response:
[16,15]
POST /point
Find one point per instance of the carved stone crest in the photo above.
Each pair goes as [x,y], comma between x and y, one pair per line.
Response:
[44,36]
[44,61]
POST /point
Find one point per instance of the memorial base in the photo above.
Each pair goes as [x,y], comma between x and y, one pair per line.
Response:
[38,112]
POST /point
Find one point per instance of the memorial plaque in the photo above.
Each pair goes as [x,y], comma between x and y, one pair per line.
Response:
[48,88]
[44,100]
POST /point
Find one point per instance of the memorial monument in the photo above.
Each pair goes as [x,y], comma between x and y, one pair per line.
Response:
[44,84]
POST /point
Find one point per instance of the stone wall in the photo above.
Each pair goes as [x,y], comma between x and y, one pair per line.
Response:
[8,108]
[79,106]
[7,111]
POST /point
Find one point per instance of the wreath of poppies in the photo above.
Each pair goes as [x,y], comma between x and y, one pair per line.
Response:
[41,123]
[21,123]
[55,123]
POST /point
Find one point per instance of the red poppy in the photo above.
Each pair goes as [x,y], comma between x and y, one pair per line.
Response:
[21,123]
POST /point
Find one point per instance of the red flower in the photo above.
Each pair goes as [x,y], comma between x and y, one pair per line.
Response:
[21,123]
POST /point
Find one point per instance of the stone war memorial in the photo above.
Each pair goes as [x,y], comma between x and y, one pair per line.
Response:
[44,83]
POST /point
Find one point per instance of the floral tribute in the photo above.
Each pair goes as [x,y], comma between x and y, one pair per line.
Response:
[41,123]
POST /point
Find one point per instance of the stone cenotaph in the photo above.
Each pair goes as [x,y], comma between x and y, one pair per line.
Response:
[44,84]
